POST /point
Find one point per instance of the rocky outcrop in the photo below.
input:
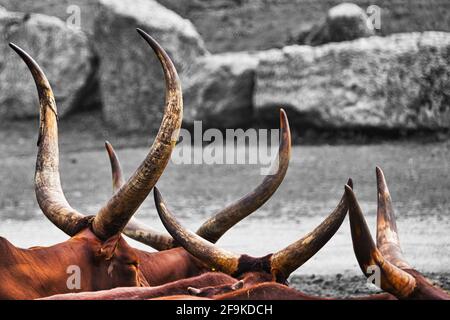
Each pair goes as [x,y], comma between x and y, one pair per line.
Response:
[344,22]
[63,54]
[131,80]
[218,90]
[398,82]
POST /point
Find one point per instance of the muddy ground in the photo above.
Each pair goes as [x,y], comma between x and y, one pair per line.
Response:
[345,286]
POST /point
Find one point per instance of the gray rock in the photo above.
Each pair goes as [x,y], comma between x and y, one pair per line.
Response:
[131,80]
[131,77]
[343,22]
[261,25]
[62,53]
[77,14]
[218,90]
[397,82]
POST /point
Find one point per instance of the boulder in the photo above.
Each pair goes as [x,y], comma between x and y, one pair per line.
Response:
[343,22]
[132,82]
[130,76]
[218,90]
[63,53]
[399,82]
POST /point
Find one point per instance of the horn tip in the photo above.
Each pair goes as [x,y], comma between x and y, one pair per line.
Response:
[378,171]
[146,36]
[157,194]
[141,32]
[285,129]
[381,180]
[109,148]
[283,119]
[349,191]
[350,183]
[17,49]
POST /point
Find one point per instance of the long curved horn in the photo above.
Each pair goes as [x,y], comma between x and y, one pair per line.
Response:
[286,261]
[156,239]
[370,259]
[205,251]
[47,183]
[135,229]
[221,222]
[114,216]
[387,236]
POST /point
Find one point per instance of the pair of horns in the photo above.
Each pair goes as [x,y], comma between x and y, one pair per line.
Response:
[386,255]
[116,213]
[226,218]
[282,263]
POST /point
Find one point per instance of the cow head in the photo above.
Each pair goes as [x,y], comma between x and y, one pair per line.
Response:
[114,256]
[103,264]
[396,275]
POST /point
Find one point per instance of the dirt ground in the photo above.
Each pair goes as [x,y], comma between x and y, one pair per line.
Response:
[344,286]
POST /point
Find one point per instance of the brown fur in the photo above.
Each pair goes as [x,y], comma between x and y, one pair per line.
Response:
[42,271]
[179,287]
[169,265]
[276,291]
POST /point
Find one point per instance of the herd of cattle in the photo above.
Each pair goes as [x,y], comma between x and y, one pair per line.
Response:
[187,265]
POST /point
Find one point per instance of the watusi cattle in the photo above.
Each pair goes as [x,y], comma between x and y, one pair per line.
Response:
[157,268]
[396,275]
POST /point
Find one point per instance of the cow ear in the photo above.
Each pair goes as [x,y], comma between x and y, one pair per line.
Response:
[238,285]
[109,247]
[193,291]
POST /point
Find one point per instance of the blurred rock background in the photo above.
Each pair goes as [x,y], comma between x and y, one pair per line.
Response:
[377,67]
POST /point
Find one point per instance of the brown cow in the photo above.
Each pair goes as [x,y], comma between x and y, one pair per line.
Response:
[96,246]
[39,272]
[396,275]
[171,265]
